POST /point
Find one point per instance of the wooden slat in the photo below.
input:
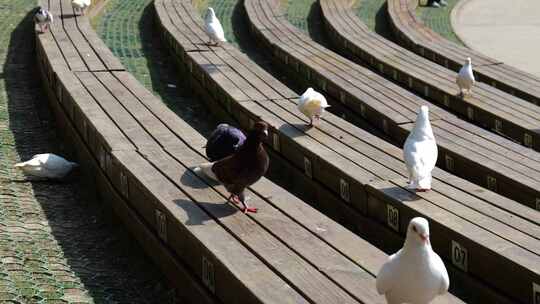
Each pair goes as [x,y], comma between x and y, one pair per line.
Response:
[416,36]
[376,109]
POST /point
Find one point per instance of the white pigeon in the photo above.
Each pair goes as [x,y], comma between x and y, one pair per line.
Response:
[43,18]
[79,6]
[47,165]
[415,274]
[420,152]
[213,27]
[465,78]
[312,104]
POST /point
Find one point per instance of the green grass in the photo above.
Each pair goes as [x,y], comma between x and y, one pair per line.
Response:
[438,19]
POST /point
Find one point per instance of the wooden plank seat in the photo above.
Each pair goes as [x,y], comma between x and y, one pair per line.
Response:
[352,163]
[143,155]
[79,45]
[493,109]
[391,108]
[416,36]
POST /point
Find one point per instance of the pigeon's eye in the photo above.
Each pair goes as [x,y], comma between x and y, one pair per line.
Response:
[414,228]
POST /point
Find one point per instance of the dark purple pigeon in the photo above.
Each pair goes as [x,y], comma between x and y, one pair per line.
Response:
[224,141]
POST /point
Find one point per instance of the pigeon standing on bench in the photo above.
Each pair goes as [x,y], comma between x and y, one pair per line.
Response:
[43,18]
[420,152]
[47,166]
[79,6]
[465,78]
[415,274]
[312,104]
[213,28]
[224,141]
[242,169]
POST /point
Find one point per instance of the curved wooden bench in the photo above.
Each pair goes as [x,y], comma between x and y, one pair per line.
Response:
[366,172]
[464,149]
[142,156]
[419,38]
[493,109]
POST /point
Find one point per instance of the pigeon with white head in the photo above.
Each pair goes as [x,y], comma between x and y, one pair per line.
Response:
[420,152]
[47,165]
[465,78]
[213,28]
[312,104]
[415,274]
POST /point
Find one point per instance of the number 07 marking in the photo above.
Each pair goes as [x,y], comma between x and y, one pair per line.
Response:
[460,256]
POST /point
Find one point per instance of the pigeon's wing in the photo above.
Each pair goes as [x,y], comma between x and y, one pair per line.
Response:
[227,170]
[445,280]
[385,278]
[428,156]
[215,30]
[420,157]
[220,34]
[409,156]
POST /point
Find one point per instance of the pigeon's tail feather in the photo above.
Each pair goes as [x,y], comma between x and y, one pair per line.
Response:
[206,169]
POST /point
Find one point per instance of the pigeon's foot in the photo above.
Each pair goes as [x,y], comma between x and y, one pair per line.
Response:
[249,209]
[235,199]
[422,190]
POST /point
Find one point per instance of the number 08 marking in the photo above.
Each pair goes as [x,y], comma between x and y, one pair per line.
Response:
[392,217]
[460,256]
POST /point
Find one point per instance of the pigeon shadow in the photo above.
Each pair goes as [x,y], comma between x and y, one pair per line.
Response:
[197,180]
[295,130]
[403,194]
[68,16]
[211,211]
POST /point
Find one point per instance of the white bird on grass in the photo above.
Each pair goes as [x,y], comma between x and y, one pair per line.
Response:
[213,27]
[80,6]
[47,166]
[465,78]
[415,274]
[312,104]
[420,152]
[43,18]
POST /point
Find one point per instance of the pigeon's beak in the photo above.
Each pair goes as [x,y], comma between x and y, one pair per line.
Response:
[424,237]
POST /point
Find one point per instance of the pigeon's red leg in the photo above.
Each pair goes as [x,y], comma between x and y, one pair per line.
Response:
[247,209]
